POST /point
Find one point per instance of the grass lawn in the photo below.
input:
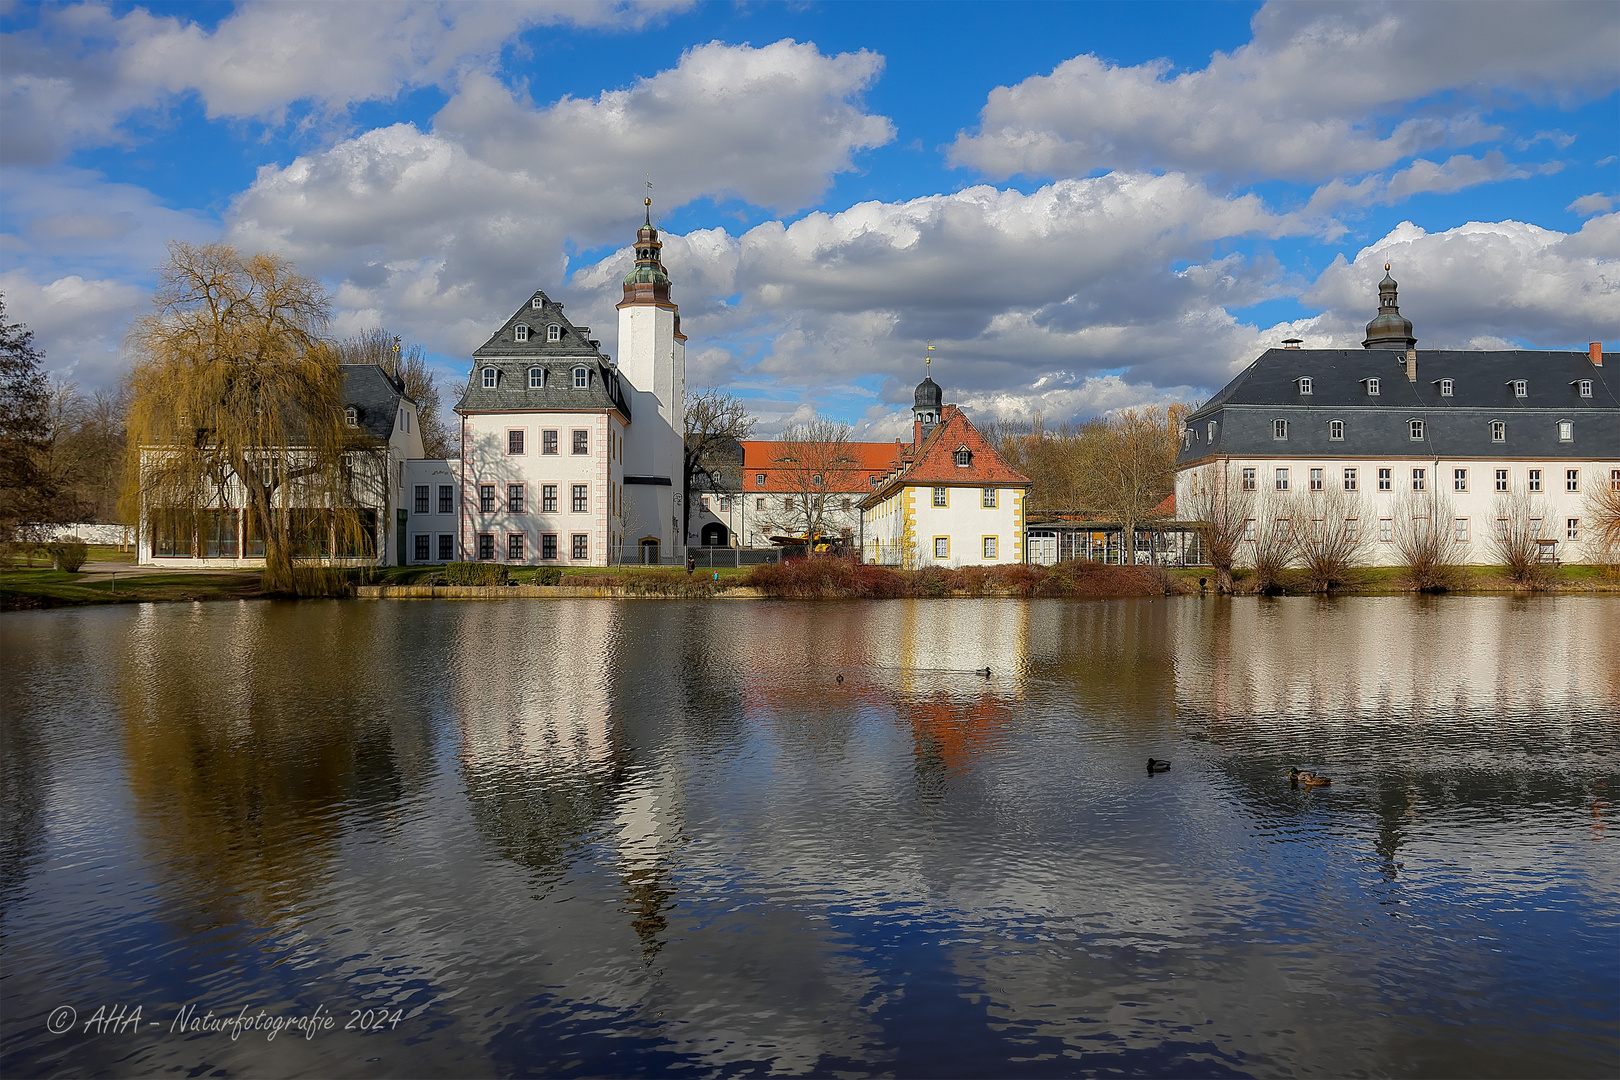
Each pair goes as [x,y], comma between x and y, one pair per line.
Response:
[1391,580]
[24,588]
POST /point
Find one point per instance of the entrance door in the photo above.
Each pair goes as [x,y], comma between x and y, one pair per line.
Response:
[1043,548]
[401,516]
[649,552]
[714,535]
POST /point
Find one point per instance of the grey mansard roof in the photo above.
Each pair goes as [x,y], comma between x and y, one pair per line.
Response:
[375,396]
[513,359]
[1455,426]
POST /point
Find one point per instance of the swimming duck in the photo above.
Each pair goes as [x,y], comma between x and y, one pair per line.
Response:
[1154,765]
[1305,779]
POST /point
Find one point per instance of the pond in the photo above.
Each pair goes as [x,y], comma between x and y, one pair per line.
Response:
[601,837]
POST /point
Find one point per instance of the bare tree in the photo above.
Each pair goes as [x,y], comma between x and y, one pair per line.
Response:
[235,398]
[716,422]
[813,464]
[408,363]
[1129,466]
[1603,520]
[1426,540]
[1274,538]
[1333,538]
[1220,511]
[1514,538]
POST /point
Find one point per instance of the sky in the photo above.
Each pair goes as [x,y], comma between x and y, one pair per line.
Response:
[1083,207]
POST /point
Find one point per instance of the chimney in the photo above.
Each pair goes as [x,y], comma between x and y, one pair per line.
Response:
[1595,351]
[1292,342]
[1411,365]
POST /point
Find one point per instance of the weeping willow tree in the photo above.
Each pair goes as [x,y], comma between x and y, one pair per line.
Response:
[236,402]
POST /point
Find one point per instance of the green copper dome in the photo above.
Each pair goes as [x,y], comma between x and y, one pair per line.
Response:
[647,275]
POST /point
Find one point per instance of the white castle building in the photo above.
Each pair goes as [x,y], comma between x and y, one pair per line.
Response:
[566,457]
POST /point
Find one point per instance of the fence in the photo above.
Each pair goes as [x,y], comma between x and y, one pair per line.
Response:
[708,558]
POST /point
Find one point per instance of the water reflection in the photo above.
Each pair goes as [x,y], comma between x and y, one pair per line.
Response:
[601,837]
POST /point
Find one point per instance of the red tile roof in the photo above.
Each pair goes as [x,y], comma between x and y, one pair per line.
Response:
[869,459]
[934,462]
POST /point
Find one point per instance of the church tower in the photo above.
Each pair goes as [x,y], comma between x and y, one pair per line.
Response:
[1389,330]
[652,361]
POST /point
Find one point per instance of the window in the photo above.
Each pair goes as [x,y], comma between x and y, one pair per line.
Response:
[582,498]
[1279,429]
[1572,528]
[537,378]
[1316,479]
[1248,530]
[548,545]
[1501,529]
[963,457]
[421,548]
[486,546]
[422,500]
[1498,431]
[548,498]
[1614,479]
[486,498]
[725,504]
[548,442]
[351,416]
[514,441]
[535,303]
[1336,430]
[489,378]
[1420,479]
[1212,431]
[759,479]
[1372,387]
[447,547]
[1350,480]
[1414,430]
[1386,530]
[447,499]
[1460,530]
[1281,480]
[514,498]
[1535,528]
[582,379]
[1445,387]
[514,547]
[1521,388]
[942,547]
[843,504]
[520,332]
[1459,479]
[581,546]
[1352,529]
[553,332]
[990,547]
[1284,527]
[787,503]
[1248,480]
[1304,384]
[1584,387]
[1535,479]
[582,441]
[1386,479]
[1501,479]
[1572,479]
[703,502]
[988,498]
[941,496]
[759,503]
[1566,431]
[815,479]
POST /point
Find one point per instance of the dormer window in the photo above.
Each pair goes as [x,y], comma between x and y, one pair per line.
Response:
[535,303]
[1566,431]
[1210,431]
[553,332]
[1498,431]
[1445,387]
[351,416]
[537,378]
[1414,430]
[964,457]
[1279,429]
[582,379]
[1336,430]
[1584,387]
[489,378]
[1372,387]
[1521,388]
[1304,384]
[520,332]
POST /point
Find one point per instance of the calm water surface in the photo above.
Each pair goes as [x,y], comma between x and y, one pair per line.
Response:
[623,838]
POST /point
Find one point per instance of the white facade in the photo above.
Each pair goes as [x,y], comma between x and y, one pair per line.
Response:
[910,528]
[652,359]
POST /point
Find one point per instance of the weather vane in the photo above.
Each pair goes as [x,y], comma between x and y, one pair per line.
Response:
[928,358]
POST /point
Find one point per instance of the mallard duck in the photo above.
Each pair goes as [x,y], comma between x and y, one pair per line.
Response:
[1305,779]
[1155,765]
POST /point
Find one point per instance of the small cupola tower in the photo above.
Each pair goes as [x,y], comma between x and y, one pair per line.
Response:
[1389,330]
[925,409]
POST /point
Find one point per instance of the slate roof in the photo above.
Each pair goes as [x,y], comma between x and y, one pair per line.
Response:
[375,395]
[933,462]
[1456,426]
[513,359]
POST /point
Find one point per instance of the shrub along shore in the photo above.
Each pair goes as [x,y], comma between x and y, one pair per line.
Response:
[800,579]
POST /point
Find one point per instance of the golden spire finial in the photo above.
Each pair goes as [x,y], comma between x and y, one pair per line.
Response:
[928,359]
[1386,268]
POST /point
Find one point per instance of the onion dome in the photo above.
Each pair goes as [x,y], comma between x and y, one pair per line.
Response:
[647,283]
[929,395]
[1389,330]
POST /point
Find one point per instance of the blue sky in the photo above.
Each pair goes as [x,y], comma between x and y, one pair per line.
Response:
[1085,207]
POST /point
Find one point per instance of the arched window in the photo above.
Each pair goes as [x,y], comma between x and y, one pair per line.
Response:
[535,303]
[1414,430]
[351,416]
[553,332]
[489,378]
[582,379]
[520,332]
[964,457]
[1279,429]
[537,378]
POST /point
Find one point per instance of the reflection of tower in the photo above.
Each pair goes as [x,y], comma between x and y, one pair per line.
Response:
[649,829]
